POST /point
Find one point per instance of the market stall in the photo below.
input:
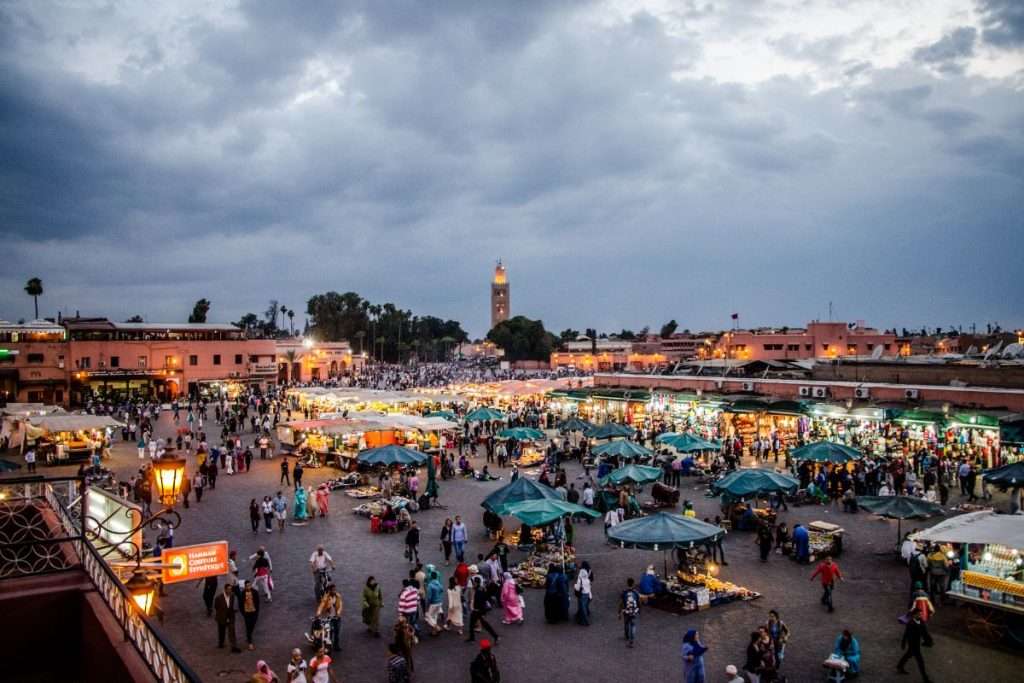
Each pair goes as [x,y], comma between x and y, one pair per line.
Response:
[899,508]
[991,580]
[695,585]
[62,438]
[750,484]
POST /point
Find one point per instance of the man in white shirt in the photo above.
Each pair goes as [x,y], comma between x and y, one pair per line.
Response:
[30,459]
[318,562]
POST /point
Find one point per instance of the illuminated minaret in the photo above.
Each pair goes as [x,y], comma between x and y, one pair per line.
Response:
[499,295]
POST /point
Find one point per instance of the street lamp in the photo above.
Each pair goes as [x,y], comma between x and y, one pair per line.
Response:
[168,476]
[142,591]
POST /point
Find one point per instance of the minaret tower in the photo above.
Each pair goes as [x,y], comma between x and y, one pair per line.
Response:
[499,296]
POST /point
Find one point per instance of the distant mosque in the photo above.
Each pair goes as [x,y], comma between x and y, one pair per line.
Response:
[499,296]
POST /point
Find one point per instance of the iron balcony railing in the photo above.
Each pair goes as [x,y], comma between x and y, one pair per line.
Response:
[30,546]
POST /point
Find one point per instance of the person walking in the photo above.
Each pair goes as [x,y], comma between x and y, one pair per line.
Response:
[30,459]
[224,607]
[262,568]
[373,601]
[297,475]
[764,540]
[280,506]
[693,657]
[479,604]
[779,633]
[254,516]
[484,667]
[584,594]
[629,611]
[434,600]
[829,573]
[459,537]
[446,541]
[209,585]
[404,639]
[297,668]
[412,542]
[331,607]
[454,611]
[198,484]
[914,636]
[267,511]
[284,472]
[250,603]
[409,602]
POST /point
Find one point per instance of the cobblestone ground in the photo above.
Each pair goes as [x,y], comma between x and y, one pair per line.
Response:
[868,602]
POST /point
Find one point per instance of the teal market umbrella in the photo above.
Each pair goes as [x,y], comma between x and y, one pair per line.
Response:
[623,449]
[8,466]
[687,443]
[445,414]
[632,474]
[391,455]
[546,510]
[609,430]
[900,508]
[521,434]
[516,492]
[575,424]
[1007,476]
[826,451]
[663,531]
[750,483]
[485,415]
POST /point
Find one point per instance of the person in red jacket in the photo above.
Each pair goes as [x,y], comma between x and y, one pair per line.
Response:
[829,573]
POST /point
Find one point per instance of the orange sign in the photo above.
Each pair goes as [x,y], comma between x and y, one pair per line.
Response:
[194,562]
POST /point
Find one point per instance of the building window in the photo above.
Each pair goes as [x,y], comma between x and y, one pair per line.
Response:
[115,361]
[193,360]
[85,362]
[887,347]
[807,347]
[238,359]
[216,359]
[143,362]
[871,347]
[792,347]
[851,349]
[824,347]
[35,358]
[168,361]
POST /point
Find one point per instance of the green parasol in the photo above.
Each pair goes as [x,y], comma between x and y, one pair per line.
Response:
[623,449]
[391,455]
[609,430]
[516,492]
[687,443]
[900,508]
[521,434]
[826,451]
[486,415]
[632,474]
[750,483]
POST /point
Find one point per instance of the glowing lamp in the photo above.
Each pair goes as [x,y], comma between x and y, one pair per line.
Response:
[307,342]
[950,554]
[987,557]
[142,591]
[168,476]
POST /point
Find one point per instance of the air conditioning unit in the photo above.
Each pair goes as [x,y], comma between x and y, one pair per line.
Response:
[805,392]
[820,392]
[748,386]
[862,392]
[911,394]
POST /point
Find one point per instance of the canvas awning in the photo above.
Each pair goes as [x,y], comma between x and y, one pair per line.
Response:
[72,423]
[977,527]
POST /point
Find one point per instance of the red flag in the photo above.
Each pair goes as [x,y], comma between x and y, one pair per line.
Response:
[735,316]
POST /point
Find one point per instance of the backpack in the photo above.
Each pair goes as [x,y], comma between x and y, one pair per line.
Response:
[631,606]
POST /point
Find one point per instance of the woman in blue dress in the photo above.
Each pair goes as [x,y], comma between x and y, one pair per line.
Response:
[802,541]
[848,648]
[693,658]
[301,512]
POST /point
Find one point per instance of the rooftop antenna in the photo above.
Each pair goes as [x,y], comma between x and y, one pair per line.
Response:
[830,311]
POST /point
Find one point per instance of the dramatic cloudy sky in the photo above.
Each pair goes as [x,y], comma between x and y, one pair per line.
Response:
[631,162]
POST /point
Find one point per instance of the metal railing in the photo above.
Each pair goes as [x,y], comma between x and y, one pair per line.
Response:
[28,547]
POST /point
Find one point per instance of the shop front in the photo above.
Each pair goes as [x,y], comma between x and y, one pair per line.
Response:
[118,386]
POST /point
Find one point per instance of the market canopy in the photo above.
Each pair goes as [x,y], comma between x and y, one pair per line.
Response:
[575,424]
[546,510]
[1007,476]
[826,451]
[485,415]
[663,531]
[622,449]
[609,430]
[984,527]
[72,423]
[631,474]
[516,492]
[686,443]
[391,455]
[900,507]
[749,483]
[521,434]
[444,414]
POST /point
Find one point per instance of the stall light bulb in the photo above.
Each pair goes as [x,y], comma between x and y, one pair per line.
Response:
[987,557]
[950,554]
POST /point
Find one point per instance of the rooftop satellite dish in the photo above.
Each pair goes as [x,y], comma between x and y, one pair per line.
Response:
[993,351]
[972,350]
[1013,350]
[876,353]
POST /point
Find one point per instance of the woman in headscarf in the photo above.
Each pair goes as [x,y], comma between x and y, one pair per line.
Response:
[300,511]
[435,600]
[263,673]
[556,596]
[373,599]
[310,502]
[848,648]
[510,601]
[693,658]
[322,500]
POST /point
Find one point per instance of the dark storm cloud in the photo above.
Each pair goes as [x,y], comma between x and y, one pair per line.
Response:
[397,148]
[1003,22]
[947,53]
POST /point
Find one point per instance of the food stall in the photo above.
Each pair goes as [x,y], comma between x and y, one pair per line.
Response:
[991,579]
[825,539]
[64,438]
[747,484]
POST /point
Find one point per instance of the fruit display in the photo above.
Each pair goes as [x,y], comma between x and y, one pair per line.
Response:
[533,571]
[720,591]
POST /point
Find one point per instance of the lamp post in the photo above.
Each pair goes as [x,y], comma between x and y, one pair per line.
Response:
[168,477]
[142,591]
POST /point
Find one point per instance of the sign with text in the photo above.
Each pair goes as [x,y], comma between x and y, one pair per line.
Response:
[191,562]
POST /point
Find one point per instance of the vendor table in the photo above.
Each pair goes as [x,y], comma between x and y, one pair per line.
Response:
[825,539]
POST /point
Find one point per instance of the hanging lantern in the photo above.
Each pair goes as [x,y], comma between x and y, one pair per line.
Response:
[168,477]
[142,591]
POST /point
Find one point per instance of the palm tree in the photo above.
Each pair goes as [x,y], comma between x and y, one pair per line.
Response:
[284,312]
[34,288]
[291,321]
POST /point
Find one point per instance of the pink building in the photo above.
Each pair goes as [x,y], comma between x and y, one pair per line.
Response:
[33,362]
[818,340]
[163,360]
[307,360]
